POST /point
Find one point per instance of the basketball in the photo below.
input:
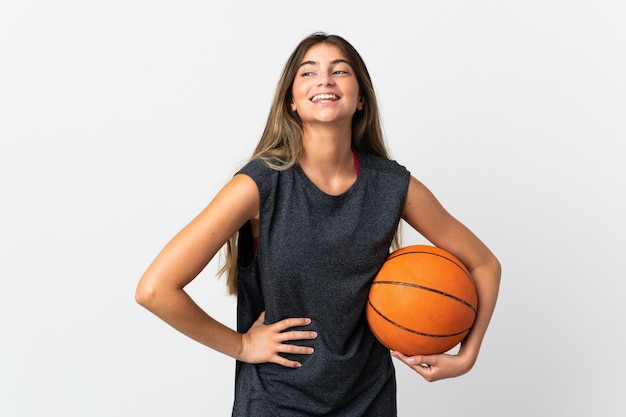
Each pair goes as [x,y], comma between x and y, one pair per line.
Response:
[422,301]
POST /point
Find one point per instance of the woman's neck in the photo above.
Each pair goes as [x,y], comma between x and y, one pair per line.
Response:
[328,161]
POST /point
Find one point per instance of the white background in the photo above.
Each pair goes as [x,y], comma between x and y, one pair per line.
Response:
[119,120]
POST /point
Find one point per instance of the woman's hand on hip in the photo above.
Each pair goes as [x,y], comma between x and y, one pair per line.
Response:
[264,342]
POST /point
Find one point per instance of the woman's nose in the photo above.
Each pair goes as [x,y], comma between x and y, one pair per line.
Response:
[325,79]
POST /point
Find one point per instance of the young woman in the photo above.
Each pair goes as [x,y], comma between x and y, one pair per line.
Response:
[307,223]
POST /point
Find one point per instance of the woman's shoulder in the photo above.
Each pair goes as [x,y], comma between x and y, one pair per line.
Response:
[382,165]
[257,167]
[262,173]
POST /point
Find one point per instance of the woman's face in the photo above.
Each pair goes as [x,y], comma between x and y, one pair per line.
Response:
[325,89]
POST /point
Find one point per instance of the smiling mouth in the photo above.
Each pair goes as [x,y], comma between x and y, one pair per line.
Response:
[324,97]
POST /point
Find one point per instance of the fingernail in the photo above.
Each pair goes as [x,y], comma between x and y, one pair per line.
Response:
[313,334]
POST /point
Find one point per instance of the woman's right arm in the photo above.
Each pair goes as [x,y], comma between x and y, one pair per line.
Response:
[161,288]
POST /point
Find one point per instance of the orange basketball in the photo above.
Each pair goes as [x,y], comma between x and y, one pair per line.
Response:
[422,301]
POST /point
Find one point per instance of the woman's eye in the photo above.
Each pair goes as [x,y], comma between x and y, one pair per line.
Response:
[306,74]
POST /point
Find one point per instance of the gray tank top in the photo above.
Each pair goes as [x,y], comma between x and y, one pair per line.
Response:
[316,257]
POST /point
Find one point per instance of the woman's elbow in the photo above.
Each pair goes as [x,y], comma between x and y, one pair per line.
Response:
[497,267]
[496,271]
[146,295]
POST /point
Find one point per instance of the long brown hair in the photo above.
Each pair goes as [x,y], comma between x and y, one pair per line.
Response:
[281,142]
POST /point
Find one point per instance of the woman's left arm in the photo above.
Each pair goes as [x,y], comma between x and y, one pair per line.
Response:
[428,217]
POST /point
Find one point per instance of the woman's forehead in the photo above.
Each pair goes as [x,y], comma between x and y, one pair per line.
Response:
[323,52]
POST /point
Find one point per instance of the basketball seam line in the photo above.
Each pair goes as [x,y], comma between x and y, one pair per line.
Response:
[421,287]
[415,331]
[461,267]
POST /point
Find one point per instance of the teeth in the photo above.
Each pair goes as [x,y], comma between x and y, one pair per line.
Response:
[324,97]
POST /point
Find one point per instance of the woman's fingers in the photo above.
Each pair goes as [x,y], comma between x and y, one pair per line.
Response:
[435,367]
[286,336]
[295,349]
[264,343]
[297,335]
[285,324]
[286,362]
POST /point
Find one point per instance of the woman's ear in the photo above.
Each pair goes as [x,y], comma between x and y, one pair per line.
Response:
[360,103]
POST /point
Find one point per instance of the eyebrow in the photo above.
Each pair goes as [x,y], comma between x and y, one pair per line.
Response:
[333,62]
